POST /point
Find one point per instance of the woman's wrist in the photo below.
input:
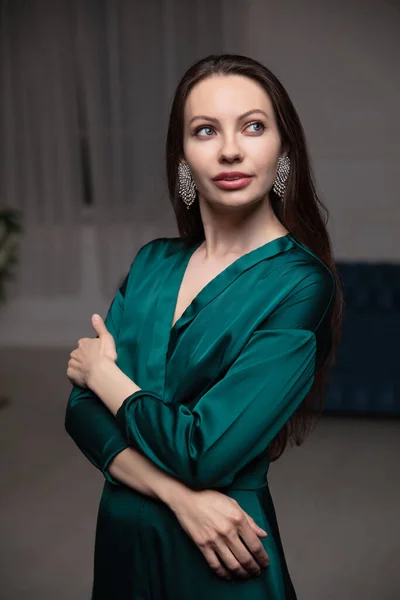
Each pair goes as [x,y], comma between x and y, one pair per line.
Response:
[110,384]
[174,493]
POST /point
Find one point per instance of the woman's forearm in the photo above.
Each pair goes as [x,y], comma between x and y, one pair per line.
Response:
[135,470]
[130,466]
[110,384]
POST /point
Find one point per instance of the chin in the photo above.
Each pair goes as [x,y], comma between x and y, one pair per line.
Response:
[235,200]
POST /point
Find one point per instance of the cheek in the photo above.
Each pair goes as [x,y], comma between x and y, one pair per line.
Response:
[201,160]
[266,168]
[265,160]
[264,150]
[200,152]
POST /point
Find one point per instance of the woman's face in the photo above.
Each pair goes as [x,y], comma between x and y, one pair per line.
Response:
[221,139]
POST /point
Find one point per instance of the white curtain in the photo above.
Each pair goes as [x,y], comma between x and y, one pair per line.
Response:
[40,169]
[87,92]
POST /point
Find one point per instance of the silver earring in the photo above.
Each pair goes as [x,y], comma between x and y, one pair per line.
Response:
[281,176]
[187,187]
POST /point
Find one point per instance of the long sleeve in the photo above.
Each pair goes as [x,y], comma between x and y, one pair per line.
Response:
[88,421]
[235,420]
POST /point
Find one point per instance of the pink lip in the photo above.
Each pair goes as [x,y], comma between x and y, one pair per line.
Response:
[228,174]
[234,184]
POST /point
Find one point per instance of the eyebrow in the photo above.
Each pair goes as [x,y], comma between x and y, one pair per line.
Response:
[240,117]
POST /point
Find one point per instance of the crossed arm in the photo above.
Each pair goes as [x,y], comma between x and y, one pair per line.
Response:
[95,430]
[233,422]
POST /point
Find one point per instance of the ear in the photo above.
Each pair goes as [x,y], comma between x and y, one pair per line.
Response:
[284,149]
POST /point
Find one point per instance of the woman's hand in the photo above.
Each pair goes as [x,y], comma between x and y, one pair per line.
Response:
[90,352]
[215,521]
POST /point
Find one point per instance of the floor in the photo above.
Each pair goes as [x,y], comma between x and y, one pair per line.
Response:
[337,497]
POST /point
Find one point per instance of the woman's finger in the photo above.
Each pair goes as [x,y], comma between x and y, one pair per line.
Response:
[253,543]
[214,562]
[259,530]
[236,558]
[75,374]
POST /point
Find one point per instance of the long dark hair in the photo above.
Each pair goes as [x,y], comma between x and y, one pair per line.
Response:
[301,212]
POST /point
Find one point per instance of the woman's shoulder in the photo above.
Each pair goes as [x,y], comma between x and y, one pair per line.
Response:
[151,254]
[304,266]
[149,257]
[159,246]
[299,276]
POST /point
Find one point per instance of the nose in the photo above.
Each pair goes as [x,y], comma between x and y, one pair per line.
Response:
[230,150]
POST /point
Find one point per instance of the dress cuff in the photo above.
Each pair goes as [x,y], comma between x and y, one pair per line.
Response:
[122,413]
[109,453]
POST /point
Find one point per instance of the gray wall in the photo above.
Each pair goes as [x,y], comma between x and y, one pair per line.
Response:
[339,63]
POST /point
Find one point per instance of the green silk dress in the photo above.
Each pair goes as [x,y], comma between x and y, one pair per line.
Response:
[215,390]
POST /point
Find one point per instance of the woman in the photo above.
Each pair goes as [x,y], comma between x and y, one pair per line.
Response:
[213,352]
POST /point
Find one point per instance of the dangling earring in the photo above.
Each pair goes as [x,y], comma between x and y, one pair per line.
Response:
[282,176]
[187,187]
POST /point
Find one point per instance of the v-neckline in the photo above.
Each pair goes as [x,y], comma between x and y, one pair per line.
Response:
[235,268]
